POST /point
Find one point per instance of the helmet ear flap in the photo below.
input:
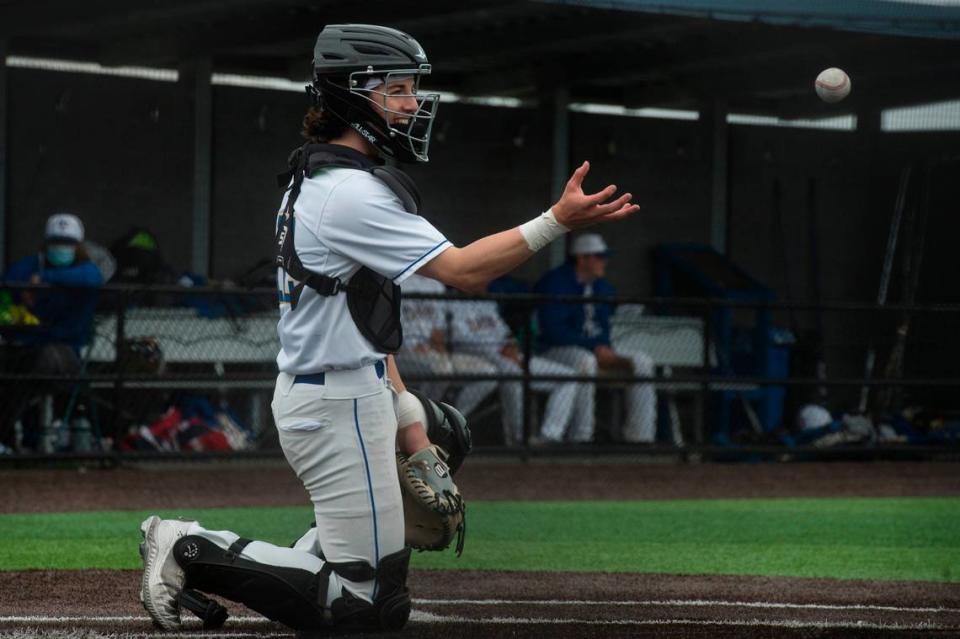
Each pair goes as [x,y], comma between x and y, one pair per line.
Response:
[355,111]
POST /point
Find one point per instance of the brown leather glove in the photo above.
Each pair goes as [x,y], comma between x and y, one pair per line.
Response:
[433,509]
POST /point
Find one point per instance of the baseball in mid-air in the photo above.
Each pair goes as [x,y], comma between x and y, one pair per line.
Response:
[832,85]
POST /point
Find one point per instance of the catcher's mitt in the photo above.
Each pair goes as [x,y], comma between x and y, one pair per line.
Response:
[433,509]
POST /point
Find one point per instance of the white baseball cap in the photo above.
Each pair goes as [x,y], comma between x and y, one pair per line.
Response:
[64,226]
[813,416]
[589,244]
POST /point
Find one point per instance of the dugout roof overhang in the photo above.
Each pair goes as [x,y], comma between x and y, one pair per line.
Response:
[757,56]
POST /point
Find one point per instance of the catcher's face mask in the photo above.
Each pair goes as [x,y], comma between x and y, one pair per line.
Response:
[395,96]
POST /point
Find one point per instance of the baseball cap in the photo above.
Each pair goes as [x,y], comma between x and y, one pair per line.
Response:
[813,416]
[64,226]
[589,244]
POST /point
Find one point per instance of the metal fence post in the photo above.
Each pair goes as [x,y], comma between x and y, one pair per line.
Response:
[119,362]
[527,355]
[704,420]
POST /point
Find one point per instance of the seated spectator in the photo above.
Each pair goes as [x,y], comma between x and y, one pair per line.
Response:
[425,351]
[65,312]
[579,334]
[478,328]
[139,260]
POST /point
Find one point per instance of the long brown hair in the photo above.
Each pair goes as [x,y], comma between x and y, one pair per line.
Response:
[321,126]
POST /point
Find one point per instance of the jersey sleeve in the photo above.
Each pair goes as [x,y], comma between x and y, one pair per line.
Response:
[22,269]
[364,220]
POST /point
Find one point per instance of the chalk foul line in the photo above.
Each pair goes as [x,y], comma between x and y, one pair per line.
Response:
[427,617]
[694,603]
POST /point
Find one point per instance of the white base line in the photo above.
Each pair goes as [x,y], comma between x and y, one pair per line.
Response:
[694,603]
[188,621]
[197,633]
[427,618]
[418,616]
[430,618]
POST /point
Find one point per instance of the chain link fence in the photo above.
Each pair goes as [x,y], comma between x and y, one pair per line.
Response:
[181,370]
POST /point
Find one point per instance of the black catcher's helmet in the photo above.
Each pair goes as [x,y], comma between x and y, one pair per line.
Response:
[349,62]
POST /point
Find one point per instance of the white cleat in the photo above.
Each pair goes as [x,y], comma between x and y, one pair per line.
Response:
[163,577]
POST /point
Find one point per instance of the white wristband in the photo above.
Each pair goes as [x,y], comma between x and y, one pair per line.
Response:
[410,410]
[542,230]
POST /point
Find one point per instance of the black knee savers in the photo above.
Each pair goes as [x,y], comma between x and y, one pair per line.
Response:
[391,603]
[293,596]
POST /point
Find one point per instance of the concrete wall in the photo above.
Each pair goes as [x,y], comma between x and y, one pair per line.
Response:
[489,170]
[845,237]
[855,189]
[661,163]
[110,149]
[115,150]
[254,132]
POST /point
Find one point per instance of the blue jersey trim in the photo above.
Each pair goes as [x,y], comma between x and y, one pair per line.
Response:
[419,259]
[373,503]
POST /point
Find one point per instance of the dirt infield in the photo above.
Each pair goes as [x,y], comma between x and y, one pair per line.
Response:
[470,604]
[272,483]
[507,604]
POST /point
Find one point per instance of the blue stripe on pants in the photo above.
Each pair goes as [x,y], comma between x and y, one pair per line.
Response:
[373,503]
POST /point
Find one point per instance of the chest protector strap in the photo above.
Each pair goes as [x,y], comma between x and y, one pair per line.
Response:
[373,299]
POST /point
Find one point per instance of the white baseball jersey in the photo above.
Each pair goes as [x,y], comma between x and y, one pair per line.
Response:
[421,317]
[478,328]
[345,219]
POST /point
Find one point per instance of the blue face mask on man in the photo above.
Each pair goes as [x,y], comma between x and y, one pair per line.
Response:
[61,254]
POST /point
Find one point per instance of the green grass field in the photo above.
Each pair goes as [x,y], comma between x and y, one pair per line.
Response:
[895,538]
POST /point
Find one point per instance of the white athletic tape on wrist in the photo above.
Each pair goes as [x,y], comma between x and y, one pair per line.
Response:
[542,230]
[410,410]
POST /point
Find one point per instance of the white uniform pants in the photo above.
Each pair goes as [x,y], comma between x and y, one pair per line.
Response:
[436,363]
[641,423]
[340,439]
[563,402]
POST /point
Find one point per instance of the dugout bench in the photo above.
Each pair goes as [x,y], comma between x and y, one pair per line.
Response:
[187,341]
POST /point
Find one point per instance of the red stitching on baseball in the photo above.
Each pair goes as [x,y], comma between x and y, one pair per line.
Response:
[827,85]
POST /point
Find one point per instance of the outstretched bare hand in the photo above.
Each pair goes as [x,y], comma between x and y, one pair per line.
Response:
[576,209]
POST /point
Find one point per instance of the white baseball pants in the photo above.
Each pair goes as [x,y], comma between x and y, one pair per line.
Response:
[340,439]
[563,409]
[641,420]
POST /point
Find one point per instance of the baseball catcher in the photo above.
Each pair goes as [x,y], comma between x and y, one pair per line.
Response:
[348,234]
